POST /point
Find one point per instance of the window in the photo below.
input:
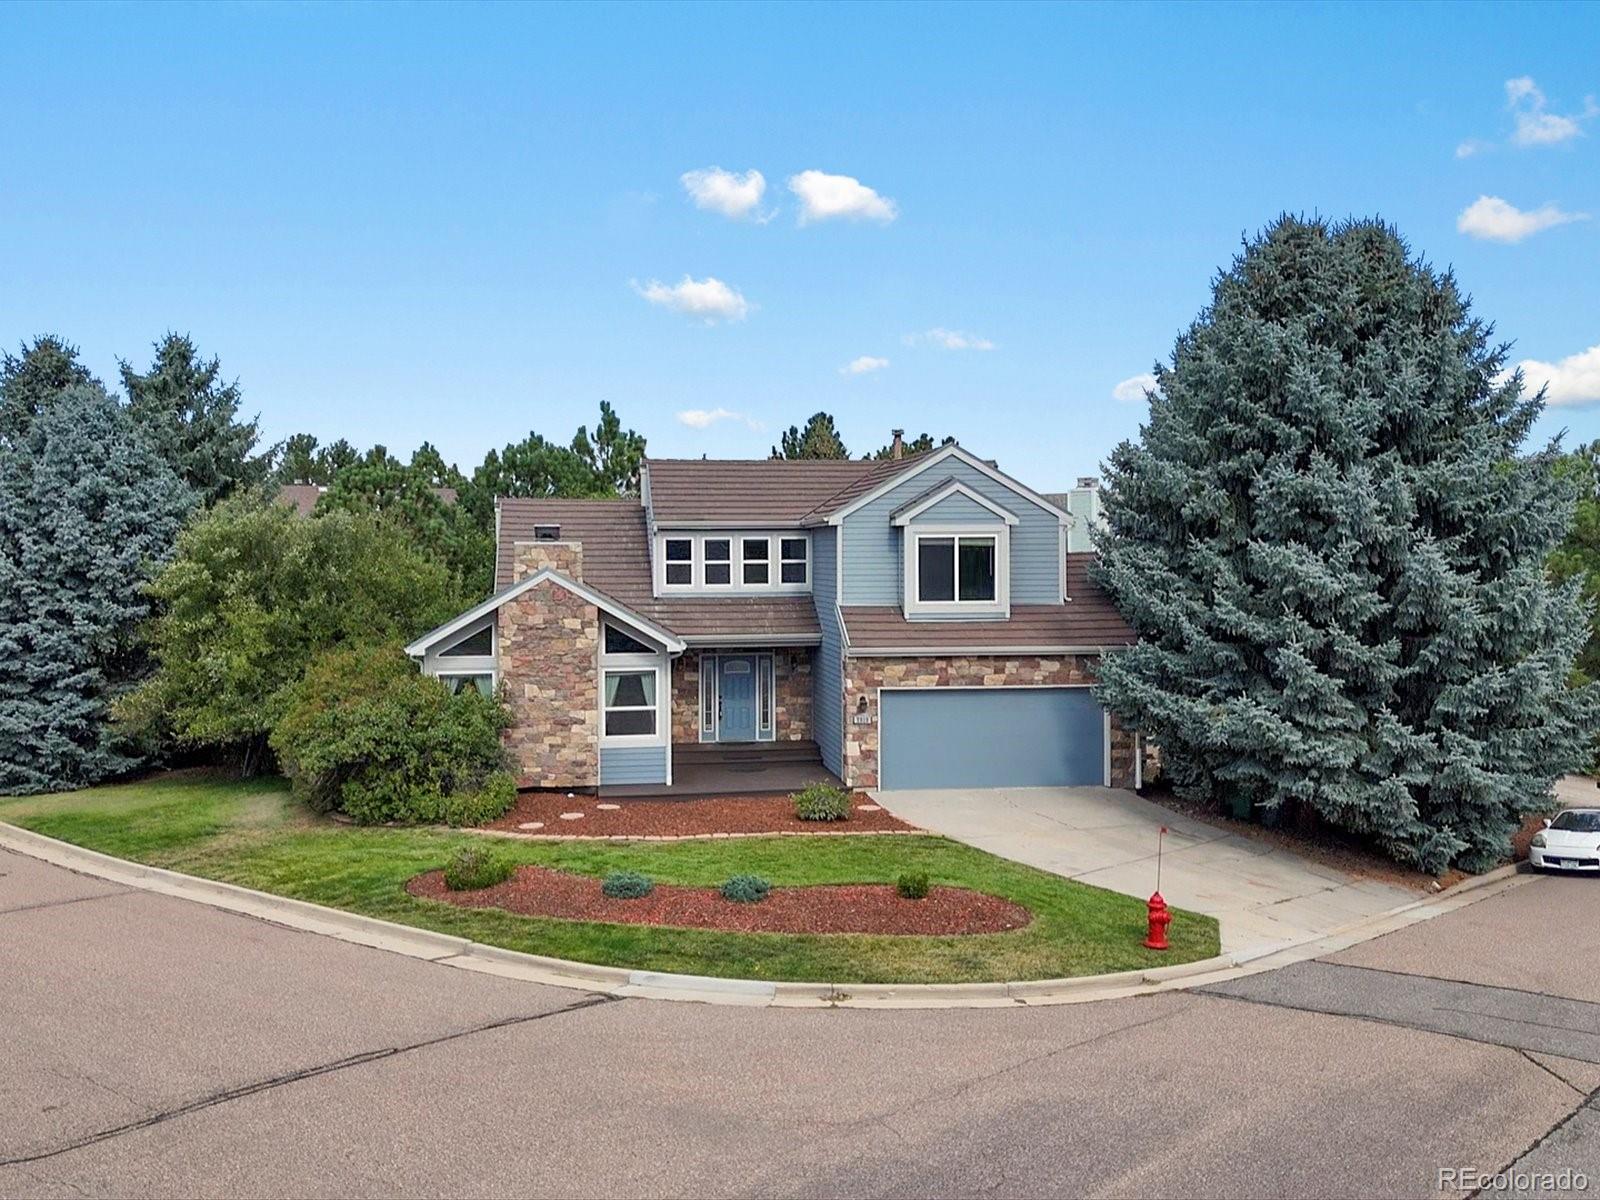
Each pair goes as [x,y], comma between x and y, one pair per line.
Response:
[483,684]
[475,645]
[630,703]
[718,554]
[956,569]
[756,554]
[618,642]
[680,562]
[708,696]
[792,560]
[975,569]
[764,698]
[936,569]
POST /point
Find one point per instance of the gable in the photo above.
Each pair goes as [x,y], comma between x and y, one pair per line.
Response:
[873,546]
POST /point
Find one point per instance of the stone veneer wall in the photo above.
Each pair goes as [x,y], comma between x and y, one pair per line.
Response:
[530,557]
[549,643]
[864,676]
[791,673]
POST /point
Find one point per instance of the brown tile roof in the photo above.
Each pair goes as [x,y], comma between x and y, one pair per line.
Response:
[761,491]
[1088,620]
[616,561]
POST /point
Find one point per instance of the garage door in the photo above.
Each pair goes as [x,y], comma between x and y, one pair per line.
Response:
[991,737]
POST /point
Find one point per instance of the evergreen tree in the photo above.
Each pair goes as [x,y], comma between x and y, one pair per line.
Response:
[920,444]
[819,439]
[613,454]
[188,415]
[409,497]
[31,380]
[1332,548]
[1578,556]
[86,510]
[532,467]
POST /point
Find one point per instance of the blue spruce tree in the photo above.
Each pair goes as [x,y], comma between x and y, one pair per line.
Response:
[1332,545]
[86,508]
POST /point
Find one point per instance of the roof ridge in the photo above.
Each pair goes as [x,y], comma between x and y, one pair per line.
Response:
[878,472]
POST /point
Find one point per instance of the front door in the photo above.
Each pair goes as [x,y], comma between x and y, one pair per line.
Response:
[736,699]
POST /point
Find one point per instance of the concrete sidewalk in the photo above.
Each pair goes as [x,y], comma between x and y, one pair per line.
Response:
[1261,896]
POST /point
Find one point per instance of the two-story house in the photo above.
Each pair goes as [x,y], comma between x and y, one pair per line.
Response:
[925,621]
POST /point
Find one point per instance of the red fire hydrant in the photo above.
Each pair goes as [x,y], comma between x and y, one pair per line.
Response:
[1160,918]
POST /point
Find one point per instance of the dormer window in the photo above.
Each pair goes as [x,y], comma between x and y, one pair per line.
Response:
[756,554]
[956,572]
[680,562]
[732,561]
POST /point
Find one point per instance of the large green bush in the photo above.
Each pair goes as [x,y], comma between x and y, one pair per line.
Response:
[364,733]
[253,594]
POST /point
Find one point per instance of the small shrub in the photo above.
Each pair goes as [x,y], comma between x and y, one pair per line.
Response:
[746,889]
[473,867]
[493,799]
[626,885]
[912,885]
[822,802]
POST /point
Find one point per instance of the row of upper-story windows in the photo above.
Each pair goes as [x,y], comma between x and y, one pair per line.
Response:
[733,562]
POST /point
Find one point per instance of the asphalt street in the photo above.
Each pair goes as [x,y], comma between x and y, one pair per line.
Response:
[152,1046]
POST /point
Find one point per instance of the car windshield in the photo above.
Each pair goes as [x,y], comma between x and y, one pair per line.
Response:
[1585,821]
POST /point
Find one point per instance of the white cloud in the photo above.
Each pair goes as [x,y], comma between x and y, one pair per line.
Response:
[1536,124]
[825,197]
[949,339]
[864,365]
[1492,219]
[704,418]
[1132,389]
[1472,146]
[1573,381]
[734,196]
[709,298]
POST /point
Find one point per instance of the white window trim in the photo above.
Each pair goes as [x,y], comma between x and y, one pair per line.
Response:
[736,585]
[437,664]
[655,662]
[1001,604]
[693,564]
[701,562]
[804,559]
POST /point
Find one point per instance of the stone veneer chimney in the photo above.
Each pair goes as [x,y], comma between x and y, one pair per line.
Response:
[527,558]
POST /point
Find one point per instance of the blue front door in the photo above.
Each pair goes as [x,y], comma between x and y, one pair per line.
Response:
[736,698]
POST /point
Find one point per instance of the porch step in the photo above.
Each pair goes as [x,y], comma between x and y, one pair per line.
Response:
[729,753]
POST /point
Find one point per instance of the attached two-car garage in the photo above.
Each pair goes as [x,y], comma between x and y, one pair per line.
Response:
[953,737]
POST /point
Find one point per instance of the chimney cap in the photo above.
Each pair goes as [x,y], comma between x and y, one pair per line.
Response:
[1088,481]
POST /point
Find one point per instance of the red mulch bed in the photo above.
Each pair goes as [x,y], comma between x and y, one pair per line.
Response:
[677,818]
[819,908]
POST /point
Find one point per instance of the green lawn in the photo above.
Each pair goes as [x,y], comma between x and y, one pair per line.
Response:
[253,833]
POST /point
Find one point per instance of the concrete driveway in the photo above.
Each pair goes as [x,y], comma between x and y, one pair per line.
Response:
[1261,896]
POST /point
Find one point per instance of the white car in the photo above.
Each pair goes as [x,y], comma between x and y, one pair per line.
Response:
[1571,842]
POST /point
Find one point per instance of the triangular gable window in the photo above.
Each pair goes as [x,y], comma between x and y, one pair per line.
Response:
[618,642]
[479,644]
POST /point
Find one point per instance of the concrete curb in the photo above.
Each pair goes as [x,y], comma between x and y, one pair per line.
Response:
[461,953]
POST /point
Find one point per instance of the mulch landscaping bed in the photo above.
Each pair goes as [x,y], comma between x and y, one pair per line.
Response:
[680,818]
[819,908]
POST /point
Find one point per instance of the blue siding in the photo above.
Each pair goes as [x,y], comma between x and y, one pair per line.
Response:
[873,547]
[991,737]
[827,672]
[633,764]
[959,509]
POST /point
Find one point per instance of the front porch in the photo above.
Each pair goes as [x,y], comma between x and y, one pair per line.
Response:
[733,769]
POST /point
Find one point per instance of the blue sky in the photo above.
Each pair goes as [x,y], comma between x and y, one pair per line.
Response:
[443,223]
